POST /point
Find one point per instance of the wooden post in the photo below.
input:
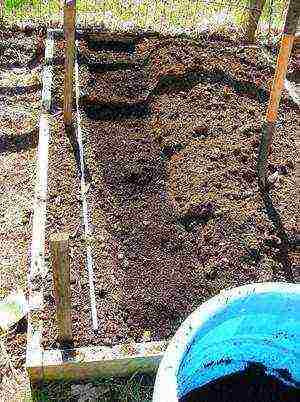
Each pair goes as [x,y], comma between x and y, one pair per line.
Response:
[61,277]
[69,32]
[287,41]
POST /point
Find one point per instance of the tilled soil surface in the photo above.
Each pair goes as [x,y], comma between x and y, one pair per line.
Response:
[171,133]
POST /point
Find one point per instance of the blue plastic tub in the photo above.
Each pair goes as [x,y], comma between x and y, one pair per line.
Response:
[258,323]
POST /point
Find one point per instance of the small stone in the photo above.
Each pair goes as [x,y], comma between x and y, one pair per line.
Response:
[247,194]
[219,213]
[211,273]
[72,279]
[120,256]
[273,179]
[237,151]
[84,281]
[224,261]
[251,129]
[169,150]
[146,223]
[58,200]
[200,132]
[272,241]
[102,293]
[283,170]
[49,297]
[244,157]
[126,263]
[203,210]
[252,111]
[290,164]
[232,195]
[254,254]
[28,29]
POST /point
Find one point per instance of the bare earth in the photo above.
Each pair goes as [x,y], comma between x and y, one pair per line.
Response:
[170,141]
[19,108]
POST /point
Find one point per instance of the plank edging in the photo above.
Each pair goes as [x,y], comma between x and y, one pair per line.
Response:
[38,268]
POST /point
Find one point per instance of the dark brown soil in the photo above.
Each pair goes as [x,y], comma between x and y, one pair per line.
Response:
[251,385]
[171,137]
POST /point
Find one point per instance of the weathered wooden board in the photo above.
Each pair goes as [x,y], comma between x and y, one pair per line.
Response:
[92,362]
[38,267]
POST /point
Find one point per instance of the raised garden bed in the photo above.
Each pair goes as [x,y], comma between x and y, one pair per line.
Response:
[171,131]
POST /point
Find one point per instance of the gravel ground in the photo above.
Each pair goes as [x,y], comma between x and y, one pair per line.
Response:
[174,204]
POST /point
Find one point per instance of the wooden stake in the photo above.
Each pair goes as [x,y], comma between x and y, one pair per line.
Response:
[69,32]
[292,20]
[59,246]
[280,74]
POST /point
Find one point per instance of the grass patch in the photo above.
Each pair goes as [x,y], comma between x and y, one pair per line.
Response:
[176,14]
[137,388]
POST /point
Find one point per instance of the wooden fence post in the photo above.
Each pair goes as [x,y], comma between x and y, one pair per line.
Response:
[69,33]
[59,247]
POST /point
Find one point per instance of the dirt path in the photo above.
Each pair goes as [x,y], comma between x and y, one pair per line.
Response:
[19,109]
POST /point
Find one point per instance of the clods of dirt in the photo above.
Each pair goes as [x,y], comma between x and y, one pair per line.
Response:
[175,210]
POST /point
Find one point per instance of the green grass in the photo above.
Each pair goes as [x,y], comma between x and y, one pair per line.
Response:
[137,388]
[146,13]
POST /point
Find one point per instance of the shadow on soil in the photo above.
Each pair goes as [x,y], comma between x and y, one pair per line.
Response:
[117,46]
[108,112]
[14,91]
[173,83]
[101,67]
[286,244]
[32,63]
[71,134]
[23,142]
